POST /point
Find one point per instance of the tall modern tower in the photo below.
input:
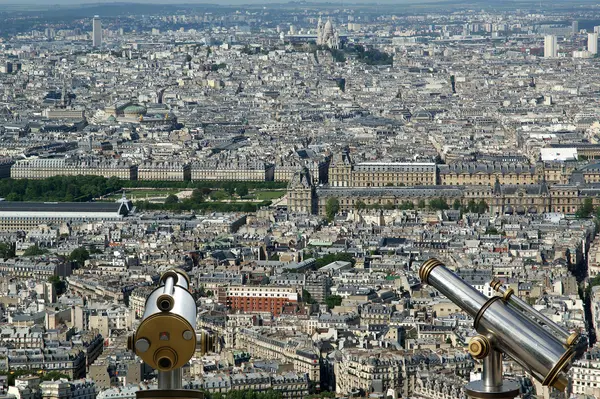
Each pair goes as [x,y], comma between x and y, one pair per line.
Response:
[97,33]
[575,27]
[550,46]
[592,45]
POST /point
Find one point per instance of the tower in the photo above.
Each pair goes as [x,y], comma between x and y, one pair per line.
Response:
[301,193]
[320,32]
[592,44]
[97,31]
[550,46]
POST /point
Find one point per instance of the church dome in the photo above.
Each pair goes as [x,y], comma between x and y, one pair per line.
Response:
[329,28]
[134,110]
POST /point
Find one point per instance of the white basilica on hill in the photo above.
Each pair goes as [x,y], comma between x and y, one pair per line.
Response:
[326,35]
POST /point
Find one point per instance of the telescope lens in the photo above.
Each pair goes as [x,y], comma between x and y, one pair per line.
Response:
[164,363]
[165,303]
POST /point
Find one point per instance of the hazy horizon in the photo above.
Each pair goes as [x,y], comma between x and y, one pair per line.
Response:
[249,2]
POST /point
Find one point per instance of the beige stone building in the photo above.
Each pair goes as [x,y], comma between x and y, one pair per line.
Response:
[474,173]
[42,168]
[304,197]
[343,172]
[295,348]
[232,170]
[164,171]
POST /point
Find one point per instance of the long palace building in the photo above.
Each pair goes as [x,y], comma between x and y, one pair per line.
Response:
[28,215]
[305,197]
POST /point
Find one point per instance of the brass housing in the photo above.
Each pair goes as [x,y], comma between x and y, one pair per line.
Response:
[177,350]
[573,338]
[479,346]
[427,267]
[176,273]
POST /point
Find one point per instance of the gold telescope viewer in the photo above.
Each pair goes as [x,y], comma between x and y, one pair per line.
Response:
[507,324]
[166,336]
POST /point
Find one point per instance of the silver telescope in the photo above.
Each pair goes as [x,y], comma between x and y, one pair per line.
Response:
[508,325]
[166,336]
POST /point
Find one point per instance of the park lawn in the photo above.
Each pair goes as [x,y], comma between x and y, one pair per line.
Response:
[146,193]
[268,195]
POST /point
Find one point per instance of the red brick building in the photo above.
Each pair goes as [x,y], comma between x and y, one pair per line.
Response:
[270,299]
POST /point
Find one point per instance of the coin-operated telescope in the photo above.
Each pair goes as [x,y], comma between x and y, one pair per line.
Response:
[166,337]
[506,324]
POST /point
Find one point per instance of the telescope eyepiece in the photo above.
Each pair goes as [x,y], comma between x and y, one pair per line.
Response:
[165,303]
[165,338]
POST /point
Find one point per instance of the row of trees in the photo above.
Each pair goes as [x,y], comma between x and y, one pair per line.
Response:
[332,207]
[587,209]
[58,188]
[192,205]
[85,188]
[229,186]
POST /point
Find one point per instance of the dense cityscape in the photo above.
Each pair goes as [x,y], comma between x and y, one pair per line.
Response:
[301,162]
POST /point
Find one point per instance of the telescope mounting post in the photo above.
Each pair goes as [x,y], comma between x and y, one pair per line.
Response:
[170,379]
[492,385]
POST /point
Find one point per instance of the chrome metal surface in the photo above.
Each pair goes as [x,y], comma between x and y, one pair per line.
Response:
[168,287]
[522,306]
[528,343]
[142,344]
[187,335]
[492,370]
[184,304]
[170,379]
[457,290]
[508,390]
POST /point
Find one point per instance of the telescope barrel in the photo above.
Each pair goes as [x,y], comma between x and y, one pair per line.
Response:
[166,337]
[531,345]
[453,287]
[522,306]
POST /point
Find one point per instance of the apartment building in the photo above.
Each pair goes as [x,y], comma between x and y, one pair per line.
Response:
[164,171]
[586,374]
[295,348]
[240,169]
[270,299]
[41,168]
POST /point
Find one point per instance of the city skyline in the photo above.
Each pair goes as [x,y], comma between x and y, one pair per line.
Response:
[392,200]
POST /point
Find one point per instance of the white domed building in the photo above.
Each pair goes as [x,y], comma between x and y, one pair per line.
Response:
[326,34]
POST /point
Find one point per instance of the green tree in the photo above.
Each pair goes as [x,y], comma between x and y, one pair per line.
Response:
[171,199]
[307,297]
[438,204]
[242,191]
[472,206]
[389,205]
[360,205]
[586,209]
[79,255]
[421,204]
[7,250]
[197,196]
[229,188]
[34,250]
[333,300]
[332,207]
[59,285]
[405,205]
[456,205]
[482,207]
